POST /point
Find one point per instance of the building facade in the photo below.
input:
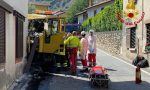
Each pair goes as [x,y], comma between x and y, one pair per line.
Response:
[95,6]
[13,32]
[137,36]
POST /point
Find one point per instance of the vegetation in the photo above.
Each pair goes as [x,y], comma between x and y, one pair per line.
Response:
[31,9]
[59,4]
[55,4]
[106,20]
[76,7]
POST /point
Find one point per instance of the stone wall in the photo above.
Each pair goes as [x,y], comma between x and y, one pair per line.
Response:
[109,41]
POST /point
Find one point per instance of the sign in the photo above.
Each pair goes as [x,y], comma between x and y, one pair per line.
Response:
[130,14]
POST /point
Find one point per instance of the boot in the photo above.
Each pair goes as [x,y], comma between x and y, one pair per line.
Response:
[94,64]
[90,65]
[65,69]
[84,70]
[73,73]
[58,69]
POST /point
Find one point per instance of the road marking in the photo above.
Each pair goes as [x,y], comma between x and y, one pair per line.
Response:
[124,61]
[68,76]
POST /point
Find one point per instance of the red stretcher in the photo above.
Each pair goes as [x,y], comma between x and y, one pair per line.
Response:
[98,77]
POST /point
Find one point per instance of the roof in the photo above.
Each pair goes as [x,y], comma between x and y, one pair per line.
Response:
[81,12]
[103,2]
[40,3]
[38,17]
[60,12]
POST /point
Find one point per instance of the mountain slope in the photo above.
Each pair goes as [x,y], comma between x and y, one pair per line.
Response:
[56,4]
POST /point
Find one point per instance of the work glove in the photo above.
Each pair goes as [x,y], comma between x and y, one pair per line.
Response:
[92,50]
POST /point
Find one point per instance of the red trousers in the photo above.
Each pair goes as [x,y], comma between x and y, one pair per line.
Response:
[92,59]
[73,59]
[84,63]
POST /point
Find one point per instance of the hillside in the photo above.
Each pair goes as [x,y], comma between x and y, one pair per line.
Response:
[56,4]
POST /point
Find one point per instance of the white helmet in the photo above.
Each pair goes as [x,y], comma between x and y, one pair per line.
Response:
[91,31]
[83,33]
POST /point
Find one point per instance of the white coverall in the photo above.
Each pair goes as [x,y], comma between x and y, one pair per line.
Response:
[92,50]
[92,44]
[84,48]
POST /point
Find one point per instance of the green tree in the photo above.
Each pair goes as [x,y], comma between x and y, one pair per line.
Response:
[106,20]
[76,7]
[31,8]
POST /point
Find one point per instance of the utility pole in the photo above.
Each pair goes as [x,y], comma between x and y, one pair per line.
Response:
[138,48]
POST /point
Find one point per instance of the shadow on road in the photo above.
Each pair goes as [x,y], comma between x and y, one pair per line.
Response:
[66,82]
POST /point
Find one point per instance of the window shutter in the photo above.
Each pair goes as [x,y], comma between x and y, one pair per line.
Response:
[19,38]
[19,33]
[148,34]
[2,36]
[133,37]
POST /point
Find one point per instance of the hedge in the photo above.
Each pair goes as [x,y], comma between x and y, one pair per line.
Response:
[106,20]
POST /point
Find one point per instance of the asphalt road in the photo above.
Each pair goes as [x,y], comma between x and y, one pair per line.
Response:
[122,77]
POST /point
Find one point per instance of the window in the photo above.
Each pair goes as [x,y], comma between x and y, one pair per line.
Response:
[131,37]
[147,46]
[19,35]
[85,16]
[4,8]
[148,33]
[19,38]
[95,12]
[2,37]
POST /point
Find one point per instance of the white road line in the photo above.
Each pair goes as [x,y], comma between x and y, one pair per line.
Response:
[76,77]
[124,62]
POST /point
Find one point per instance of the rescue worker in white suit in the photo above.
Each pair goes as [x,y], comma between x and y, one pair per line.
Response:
[91,48]
[83,51]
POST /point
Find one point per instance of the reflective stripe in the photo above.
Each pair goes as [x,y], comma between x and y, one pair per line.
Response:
[65,64]
[58,65]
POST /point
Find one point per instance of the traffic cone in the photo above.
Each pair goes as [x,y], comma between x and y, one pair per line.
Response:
[138,75]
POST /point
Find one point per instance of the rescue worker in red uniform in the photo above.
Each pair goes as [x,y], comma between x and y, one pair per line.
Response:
[83,51]
[61,58]
[74,44]
[92,48]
